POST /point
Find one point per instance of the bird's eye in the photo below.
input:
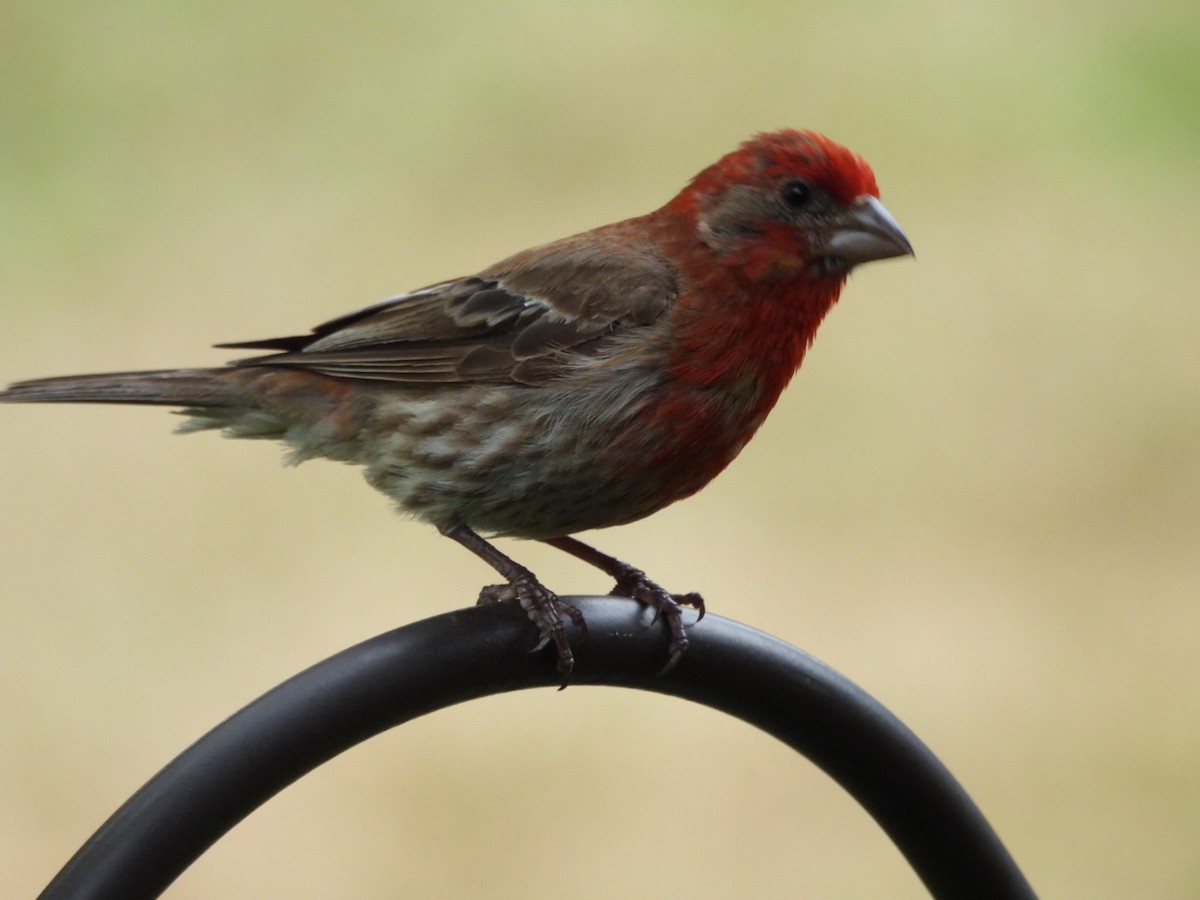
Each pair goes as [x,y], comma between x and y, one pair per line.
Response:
[796,194]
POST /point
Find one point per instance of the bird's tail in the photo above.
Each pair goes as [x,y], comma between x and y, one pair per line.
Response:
[166,387]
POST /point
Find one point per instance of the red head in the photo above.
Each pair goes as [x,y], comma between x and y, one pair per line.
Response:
[791,202]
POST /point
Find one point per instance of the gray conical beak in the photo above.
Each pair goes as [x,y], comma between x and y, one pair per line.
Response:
[866,231]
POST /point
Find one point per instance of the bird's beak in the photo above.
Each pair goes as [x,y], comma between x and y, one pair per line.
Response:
[865,232]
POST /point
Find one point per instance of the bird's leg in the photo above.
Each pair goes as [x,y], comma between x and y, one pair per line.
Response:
[542,606]
[633,583]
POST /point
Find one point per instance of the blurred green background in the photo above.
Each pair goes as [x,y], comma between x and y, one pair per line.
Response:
[980,500]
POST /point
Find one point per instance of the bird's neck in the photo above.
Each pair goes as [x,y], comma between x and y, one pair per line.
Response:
[755,338]
[744,319]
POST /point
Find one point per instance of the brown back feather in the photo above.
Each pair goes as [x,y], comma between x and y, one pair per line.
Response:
[521,321]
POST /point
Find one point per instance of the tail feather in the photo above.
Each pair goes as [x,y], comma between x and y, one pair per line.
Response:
[166,387]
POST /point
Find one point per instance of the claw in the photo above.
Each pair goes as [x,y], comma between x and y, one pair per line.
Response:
[495,593]
[542,606]
[633,583]
[667,606]
[547,612]
[694,600]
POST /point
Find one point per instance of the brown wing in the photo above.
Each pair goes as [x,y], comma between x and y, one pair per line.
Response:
[521,320]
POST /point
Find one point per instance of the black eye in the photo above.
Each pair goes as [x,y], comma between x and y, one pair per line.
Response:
[796,194]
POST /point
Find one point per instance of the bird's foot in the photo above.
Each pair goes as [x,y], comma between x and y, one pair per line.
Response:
[546,611]
[634,584]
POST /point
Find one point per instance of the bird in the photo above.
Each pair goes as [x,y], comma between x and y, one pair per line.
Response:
[581,384]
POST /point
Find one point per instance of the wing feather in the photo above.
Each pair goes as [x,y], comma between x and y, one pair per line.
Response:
[523,320]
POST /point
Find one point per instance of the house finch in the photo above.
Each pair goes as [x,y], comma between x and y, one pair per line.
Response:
[584,383]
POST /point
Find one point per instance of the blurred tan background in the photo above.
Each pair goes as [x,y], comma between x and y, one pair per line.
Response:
[980,499]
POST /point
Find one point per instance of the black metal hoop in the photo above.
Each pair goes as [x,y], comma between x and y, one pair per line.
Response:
[479,651]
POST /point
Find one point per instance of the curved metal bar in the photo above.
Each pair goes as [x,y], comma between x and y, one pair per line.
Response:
[474,652]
